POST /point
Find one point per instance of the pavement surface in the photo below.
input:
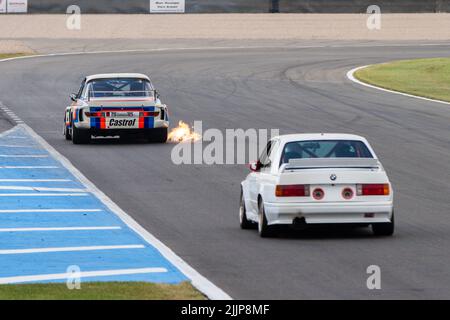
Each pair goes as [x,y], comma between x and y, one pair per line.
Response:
[194,208]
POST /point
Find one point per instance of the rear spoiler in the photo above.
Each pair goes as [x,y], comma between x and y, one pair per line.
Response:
[121,102]
[318,163]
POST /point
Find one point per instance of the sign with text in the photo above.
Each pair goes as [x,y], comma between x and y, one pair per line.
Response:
[17,6]
[167,6]
[2,6]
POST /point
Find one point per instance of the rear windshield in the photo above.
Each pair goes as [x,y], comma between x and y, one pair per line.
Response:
[325,149]
[122,87]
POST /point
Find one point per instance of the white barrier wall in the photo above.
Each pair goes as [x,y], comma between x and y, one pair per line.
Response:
[17,6]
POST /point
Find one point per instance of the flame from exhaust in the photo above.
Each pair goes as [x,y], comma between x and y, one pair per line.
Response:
[183,133]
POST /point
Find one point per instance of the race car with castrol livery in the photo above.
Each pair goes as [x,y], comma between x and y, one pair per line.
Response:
[309,179]
[116,104]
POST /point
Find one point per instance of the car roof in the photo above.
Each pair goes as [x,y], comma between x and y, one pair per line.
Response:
[319,136]
[116,76]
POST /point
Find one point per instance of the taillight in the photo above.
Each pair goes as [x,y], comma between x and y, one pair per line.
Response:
[347,193]
[318,194]
[95,114]
[377,189]
[149,114]
[294,190]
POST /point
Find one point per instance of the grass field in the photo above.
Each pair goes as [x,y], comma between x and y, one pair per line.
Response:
[428,78]
[101,291]
[12,55]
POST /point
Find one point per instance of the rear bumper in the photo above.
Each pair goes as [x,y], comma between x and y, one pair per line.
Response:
[329,213]
[117,132]
[154,124]
[158,125]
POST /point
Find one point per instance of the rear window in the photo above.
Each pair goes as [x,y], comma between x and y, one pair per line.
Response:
[121,87]
[325,149]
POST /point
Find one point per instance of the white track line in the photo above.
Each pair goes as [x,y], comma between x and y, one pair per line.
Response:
[11,114]
[42,189]
[28,167]
[351,77]
[51,211]
[15,146]
[69,249]
[43,194]
[58,229]
[35,180]
[9,131]
[76,53]
[83,274]
[23,156]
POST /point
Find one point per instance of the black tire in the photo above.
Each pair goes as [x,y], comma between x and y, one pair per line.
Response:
[80,136]
[264,230]
[243,221]
[67,134]
[158,135]
[384,229]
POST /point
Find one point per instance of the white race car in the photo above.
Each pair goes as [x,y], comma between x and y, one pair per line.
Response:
[116,104]
[304,179]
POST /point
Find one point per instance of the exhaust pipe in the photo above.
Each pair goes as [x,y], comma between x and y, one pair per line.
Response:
[299,223]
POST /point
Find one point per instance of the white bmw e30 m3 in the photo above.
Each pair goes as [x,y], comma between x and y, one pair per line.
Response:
[116,104]
[305,179]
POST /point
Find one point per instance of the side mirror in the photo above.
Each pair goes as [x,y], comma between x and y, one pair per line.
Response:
[73,96]
[255,166]
[156,94]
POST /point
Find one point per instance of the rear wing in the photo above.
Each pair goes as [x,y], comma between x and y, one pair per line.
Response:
[121,102]
[318,163]
[99,95]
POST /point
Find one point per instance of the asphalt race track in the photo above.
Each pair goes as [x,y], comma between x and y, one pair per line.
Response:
[194,209]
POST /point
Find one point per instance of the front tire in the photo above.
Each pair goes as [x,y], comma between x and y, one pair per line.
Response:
[264,230]
[384,229]
[80,136]
[243,221]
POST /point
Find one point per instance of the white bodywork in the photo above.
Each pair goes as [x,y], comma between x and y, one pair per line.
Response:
[317,173]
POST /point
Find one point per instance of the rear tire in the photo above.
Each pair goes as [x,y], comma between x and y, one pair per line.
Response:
[264,230]
[243,221]
[158,135]
[384,229]
[80,136]
[67,134]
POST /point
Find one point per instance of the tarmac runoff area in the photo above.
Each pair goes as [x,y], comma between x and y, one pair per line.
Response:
[51,223]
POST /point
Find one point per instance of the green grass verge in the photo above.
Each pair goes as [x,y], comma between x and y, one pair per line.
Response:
[12,55]
[428,78]
[101,291]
